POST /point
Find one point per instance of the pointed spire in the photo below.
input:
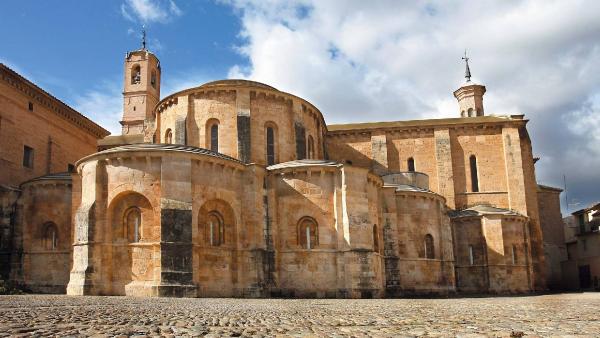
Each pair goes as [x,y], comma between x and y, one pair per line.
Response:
[467,70]
[143,37]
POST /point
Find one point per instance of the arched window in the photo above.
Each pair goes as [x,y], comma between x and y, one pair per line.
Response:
[308,233]
[462,113]
[429,249]
[214,137]
[474,174]
[410,163]
[470,112]
[133,224]
[311,147]
[270,146]
[153,79]
[136,74]
[471,255]
[375,238]
[50,236]
[169,136]
[214,229]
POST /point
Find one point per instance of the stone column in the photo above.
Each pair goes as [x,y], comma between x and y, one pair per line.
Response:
[443,156]
[176,276]
[380,155]
[242,102]
[85,274]
[522,196]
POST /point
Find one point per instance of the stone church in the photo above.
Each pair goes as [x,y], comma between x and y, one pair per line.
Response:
[237,189]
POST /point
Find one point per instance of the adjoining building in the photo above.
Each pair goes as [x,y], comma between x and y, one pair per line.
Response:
[581,269]
[555,249]
[41,139]
[235,188]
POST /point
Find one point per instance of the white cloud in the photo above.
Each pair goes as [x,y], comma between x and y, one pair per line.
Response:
[103,104]
[395,60]
[148,11]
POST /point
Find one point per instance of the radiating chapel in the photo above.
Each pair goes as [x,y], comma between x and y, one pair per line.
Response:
[237,189]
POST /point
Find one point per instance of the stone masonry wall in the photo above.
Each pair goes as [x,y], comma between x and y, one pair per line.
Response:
[55,141]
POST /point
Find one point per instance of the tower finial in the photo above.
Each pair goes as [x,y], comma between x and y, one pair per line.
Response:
[467,70]
[144,37]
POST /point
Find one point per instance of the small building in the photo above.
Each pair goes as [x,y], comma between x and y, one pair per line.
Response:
[581,270]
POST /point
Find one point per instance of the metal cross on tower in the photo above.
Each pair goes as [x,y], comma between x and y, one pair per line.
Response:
[144,37]
[467,70]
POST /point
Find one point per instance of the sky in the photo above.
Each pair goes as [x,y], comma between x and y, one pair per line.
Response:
[357,61]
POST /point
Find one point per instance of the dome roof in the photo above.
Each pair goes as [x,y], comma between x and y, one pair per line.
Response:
[237,82]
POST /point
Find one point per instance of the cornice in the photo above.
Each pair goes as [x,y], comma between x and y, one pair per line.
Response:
[53,104]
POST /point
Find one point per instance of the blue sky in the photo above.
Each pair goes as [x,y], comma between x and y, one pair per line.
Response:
[355,60]
[71,47]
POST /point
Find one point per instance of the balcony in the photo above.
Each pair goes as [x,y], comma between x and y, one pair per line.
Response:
[412,178]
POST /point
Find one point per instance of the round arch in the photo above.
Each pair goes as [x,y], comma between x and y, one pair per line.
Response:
[216,224]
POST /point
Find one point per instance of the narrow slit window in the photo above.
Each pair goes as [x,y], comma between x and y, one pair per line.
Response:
[133,224]
[214,138]
[471,257]
[474,174]
[311,147]
[307,233]
[27,157]
[375,238]
[270,146]
[50,238]
[410,163]
[429,248]
[216,235]
[514,254]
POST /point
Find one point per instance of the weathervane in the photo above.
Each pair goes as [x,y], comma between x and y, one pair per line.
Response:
[467,70]
[144,37]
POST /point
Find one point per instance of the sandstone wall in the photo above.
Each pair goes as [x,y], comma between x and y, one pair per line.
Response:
[492,254]
[553,226]
[344,204]
[43,242]
[56,140]
[243,110]
[420,215]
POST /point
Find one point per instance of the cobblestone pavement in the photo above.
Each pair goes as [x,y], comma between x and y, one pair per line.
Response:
[552,315]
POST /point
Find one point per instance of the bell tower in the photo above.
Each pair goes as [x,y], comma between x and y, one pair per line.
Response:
[141,91]
[470,95]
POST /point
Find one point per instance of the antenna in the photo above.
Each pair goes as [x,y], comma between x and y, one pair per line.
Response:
[566,195]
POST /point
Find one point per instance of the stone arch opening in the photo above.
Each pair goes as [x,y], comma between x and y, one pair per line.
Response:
[212,135]
[429,247]
[136,74]
[169,136]
[132,232]
[308,233]
[216,225]
[50,236]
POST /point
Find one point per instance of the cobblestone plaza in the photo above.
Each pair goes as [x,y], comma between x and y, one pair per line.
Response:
[549,315]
